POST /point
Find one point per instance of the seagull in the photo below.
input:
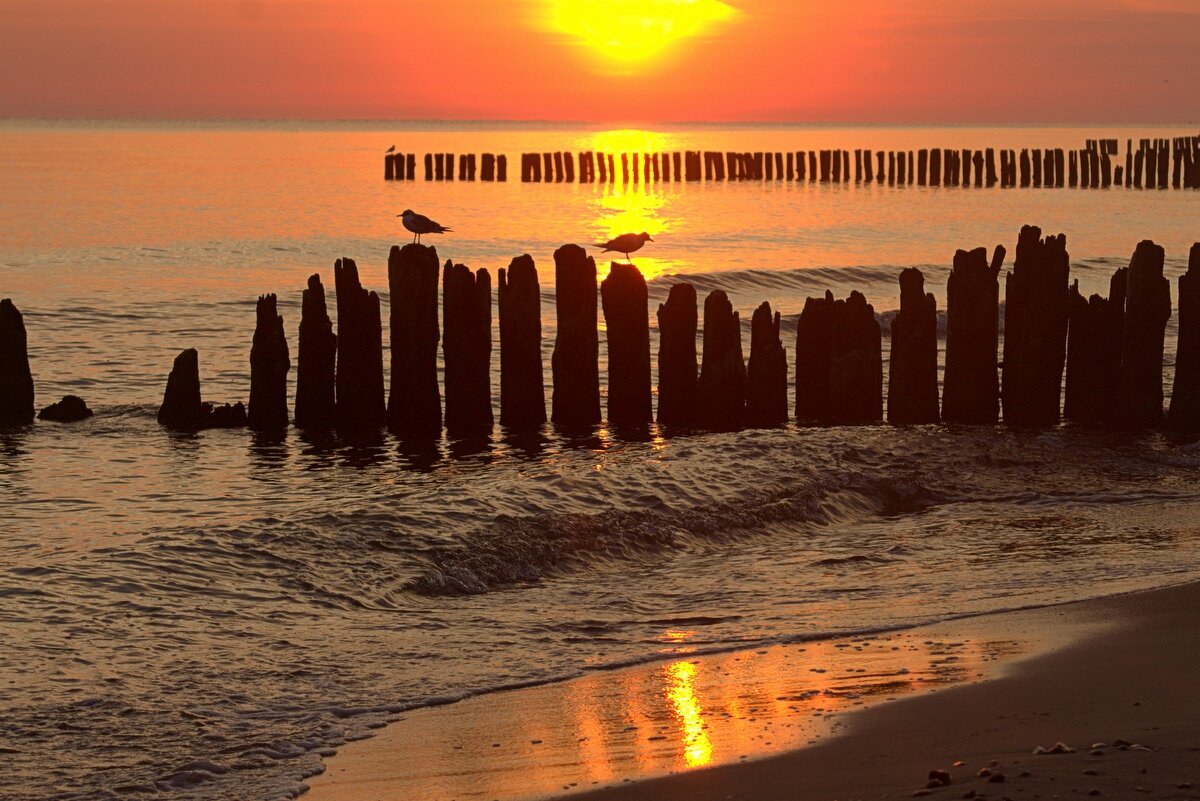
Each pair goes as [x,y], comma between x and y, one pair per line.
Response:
[391,149]
[420,224]
[626,243]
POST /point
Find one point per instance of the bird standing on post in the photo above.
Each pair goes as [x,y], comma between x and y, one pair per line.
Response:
[420,224]
[391,149]
[626,243]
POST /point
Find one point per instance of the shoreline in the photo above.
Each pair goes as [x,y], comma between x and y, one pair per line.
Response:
[382,767]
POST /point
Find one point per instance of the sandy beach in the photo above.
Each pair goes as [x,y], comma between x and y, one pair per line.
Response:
[1111,679]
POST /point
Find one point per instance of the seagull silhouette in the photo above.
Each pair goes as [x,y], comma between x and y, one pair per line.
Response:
[391,149]
[420,224]
[626,243]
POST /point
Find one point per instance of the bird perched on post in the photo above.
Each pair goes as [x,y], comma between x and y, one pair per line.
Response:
[420,224]
[626,243]
[391,149]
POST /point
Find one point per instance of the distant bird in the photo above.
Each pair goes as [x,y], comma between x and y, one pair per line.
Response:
[391,149]
[626,243]
[420,224]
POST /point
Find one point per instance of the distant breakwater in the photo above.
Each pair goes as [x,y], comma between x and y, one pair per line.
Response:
[1092,361]
[1151,163]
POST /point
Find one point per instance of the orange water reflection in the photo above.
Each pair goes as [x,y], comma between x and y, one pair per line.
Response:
[636,206]
[692,712]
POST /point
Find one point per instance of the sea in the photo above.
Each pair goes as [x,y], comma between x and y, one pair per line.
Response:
[205,615]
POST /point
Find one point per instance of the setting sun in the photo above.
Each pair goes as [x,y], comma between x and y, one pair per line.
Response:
[625,33]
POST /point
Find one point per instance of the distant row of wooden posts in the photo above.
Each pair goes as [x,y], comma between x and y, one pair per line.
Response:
[1153,164]
[1111,350]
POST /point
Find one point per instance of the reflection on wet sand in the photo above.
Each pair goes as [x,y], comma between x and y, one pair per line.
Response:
[685,714]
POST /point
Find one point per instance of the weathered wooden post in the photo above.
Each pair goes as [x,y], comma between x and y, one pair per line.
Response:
[677,369]
[913,369]
[814,343]
[559,169]
[414,403]
[625,300]
[181,408]
[1035,329]
[1147,309]
[269,366]
[935,167]
[826,163]
[892,168]
[16,380]
[502,167]
[575,363]
[547,167]
[487,171]
[966,167]
[971,389]
[568,167]
[467,350]
[1128,163]
[1037,164]
[879,167]
[522,388]
[1184,414]
[360,351]
[766,377]
[692,165]
[428,166]
[722,385]
[1094,353]
[855,363]
[316,361]
[389,167]
[991,166]
[677,158]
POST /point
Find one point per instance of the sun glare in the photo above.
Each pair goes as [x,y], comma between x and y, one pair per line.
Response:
[625,34]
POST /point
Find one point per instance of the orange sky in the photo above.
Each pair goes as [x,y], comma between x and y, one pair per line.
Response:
[906,61]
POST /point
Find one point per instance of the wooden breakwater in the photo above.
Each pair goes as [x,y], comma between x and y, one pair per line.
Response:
[1147,164]
[1094,361]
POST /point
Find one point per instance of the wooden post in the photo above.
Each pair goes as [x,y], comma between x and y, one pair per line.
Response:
[602,165]
[913,368]
[559,170]
[568,167]
[522,388]
[721,388]
[971,391]
[1074,169]
[812,166]
[1184,415]
[879,167]
[414,401]
[858,165]
[778,166]
[428,166]
[575,366]
[978,165]
[677,162]
[625,300]
[501,167]
[692,165]
[181,408]
[1094,353]
[855,363]
[488,167]
[1037,164]
[269,367]
[1058,167]
[1147,309]
[16,380]
[677,369]
[449,166]
[389,167]
[868,168]
[467,350]
[935,167]
[316,360]
[1035,329]
[359,380]
[766,377]
[991,166]
[814,342]
[548,167]
[922,167]
[892,168]
[1128,162]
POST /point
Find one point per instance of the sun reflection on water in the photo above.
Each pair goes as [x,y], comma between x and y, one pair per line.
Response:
[697,749]
[636,206]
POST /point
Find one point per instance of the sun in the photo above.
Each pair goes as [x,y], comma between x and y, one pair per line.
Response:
[624,34]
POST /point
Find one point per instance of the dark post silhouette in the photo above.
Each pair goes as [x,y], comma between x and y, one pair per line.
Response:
[414,403]
[677,370]
[522,391]
[574,364]
[722,385]
[855,363]
[1035,329]
[317,357]
[912,373]
[360,351]
[467,350]
[1147,309]
[1094,353]
[71,409]
[501,168]
[971,391]
[181,408]
[16,381]
[1184,414]
[269,367]
[766,377]
[625,300]
[814,338]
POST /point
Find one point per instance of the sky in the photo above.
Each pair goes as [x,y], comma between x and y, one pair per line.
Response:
[606,61]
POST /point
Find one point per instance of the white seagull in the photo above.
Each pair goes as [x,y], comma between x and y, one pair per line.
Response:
[420,224]
[626,243]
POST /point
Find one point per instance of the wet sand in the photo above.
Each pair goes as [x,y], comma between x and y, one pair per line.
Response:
[861,717]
